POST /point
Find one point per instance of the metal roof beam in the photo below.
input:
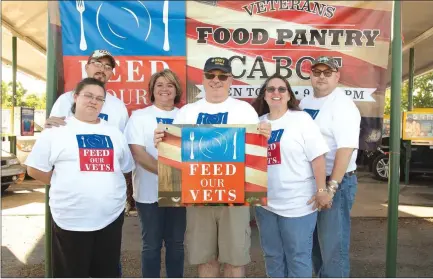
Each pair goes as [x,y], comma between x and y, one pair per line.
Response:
[24,70]
[24,38]
[424,36]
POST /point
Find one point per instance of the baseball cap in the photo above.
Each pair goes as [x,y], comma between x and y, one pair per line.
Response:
[325,60]
[100,53]
[218,63]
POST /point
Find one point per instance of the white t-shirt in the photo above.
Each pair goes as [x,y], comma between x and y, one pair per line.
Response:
[113,111]
[339,121]
[139,130]
[88,189]
[231,111]
[295,142]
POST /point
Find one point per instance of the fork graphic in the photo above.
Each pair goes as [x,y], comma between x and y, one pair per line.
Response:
[81,8]
[191,137]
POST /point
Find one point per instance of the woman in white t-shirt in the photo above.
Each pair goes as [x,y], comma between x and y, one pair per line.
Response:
[84,161]
[158,224]
[296,178]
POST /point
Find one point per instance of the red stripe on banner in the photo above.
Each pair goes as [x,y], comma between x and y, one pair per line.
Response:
[169,162]
[255,139]
[256,162]
[250,187]
[172,140]
[354,18]
[370,81]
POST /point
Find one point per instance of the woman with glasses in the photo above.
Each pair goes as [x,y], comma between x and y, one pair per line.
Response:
[158,224]
[296,181]
[84,161]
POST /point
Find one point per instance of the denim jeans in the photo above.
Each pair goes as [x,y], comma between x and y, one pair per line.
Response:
[286,243]
[160,224]
[331,243]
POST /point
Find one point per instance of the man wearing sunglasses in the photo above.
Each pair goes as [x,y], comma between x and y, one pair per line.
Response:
[218,234]
[100,66]
[338,119]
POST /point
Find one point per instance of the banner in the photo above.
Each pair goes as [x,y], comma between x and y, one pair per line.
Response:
[27,121]
[259,37]
[212,164]
[418,125]
[144,37]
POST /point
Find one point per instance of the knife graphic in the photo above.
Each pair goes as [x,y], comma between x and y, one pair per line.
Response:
[234,146]
[166,46]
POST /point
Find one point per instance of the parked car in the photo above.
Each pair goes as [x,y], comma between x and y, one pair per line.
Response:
[11,170]
[420,163]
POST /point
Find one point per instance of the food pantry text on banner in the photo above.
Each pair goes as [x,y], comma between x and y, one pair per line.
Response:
[264,37]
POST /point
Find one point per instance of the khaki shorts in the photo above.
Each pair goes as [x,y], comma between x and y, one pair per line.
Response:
[218,232]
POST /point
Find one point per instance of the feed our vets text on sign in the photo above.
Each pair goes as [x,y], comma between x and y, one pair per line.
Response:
[212,164]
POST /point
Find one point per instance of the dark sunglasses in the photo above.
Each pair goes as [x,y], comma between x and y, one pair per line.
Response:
[221,77]
[281,89]
[318,73]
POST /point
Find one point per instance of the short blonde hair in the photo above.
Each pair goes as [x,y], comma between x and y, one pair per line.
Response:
[171,77]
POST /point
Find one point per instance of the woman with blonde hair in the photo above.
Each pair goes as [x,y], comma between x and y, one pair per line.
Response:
[158,224]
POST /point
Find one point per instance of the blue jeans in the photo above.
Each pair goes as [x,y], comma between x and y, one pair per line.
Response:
[160,224]
[331,243]
[286,243]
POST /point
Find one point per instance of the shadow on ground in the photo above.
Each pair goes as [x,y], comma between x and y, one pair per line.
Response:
[368,251]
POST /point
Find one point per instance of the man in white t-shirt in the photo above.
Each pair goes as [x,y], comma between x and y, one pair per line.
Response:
[218,234]
[100,66]
[339,121]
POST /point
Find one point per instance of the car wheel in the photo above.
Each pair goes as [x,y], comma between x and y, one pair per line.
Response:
[4,187]
[381,167]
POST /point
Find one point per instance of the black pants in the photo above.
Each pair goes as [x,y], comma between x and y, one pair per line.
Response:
[87,254]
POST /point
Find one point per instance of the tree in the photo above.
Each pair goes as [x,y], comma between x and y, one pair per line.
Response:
[22,98]
[7,98]
[422,96]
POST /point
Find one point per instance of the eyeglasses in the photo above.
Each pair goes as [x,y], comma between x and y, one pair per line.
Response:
[100,65]
[326,73]
[90,97]
[221,77]
[271,89]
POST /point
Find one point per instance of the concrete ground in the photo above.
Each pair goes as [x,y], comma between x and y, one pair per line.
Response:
[22,253]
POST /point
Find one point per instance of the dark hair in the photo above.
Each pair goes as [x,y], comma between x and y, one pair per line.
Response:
[260,104]
[171,77]
[84,83]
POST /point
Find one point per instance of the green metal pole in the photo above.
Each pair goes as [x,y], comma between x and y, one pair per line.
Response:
[408,143]
[51,93]
[13,137]
[14,71]
[411,78]
[394,176]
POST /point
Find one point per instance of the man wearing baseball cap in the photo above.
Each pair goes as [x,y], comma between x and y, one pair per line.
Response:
[100,66]
[339,120]
[218,234]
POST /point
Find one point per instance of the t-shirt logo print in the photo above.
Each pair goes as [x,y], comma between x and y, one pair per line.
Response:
[103,116]
[274,154]
[207,118]
[312,112]
[164,120]
[96,153]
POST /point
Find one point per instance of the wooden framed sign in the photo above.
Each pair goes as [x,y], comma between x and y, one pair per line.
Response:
[212,165]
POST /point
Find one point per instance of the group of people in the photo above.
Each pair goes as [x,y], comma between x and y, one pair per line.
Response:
[89,144]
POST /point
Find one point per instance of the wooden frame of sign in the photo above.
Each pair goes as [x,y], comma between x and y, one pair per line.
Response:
[212,165]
